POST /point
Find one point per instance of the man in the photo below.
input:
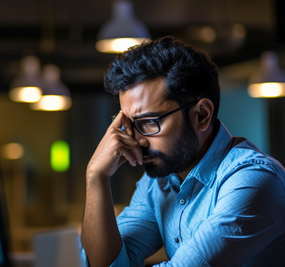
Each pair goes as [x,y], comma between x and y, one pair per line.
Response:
[209,199]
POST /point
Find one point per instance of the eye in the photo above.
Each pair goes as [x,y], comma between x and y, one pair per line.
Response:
[146,124]
[150,122]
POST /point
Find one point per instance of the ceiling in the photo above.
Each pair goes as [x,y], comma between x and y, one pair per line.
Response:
[63,32]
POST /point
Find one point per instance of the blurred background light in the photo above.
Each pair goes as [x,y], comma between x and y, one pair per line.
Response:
[52,103]
[117,45]
[266,90]
[12,151]
[27,94]
[238,31]
[27,85]
[122,30]
[207,34]
[60,156]
[268,80]
[56,95]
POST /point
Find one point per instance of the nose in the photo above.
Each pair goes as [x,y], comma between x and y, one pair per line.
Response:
[141,139]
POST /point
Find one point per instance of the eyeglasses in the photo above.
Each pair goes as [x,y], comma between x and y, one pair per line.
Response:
[151,126]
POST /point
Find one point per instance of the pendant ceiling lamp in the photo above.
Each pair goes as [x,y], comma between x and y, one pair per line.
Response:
[56,95]
[269,80]
[27,86]
[122,30]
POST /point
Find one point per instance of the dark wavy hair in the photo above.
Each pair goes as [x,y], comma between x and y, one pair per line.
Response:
[188,72]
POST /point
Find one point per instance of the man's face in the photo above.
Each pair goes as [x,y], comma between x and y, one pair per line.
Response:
[175,147]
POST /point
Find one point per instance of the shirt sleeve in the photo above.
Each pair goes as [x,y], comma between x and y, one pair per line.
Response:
[247,218]
[82,253]
[138,226]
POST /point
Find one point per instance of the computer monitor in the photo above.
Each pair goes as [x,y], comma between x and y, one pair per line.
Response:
[57,248]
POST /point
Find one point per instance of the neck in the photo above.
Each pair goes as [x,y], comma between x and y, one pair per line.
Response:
[206,139]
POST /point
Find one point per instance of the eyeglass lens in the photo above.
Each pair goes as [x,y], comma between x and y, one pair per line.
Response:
[147,126]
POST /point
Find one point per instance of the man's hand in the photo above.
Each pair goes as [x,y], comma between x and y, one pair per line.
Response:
[100,236]
[116,147]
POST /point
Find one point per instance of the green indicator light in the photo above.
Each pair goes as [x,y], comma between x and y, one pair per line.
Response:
[59,156]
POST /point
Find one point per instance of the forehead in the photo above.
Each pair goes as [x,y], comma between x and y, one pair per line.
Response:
[147,96]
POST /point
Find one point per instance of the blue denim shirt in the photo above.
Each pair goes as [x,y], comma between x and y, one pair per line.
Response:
[229,211]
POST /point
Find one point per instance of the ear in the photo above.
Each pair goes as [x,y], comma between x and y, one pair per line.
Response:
[204,111]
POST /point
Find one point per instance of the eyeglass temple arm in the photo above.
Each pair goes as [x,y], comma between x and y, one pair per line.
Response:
[169,113]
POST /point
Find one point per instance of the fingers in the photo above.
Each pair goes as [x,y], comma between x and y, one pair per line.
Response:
[130,149]
[127,138]
[115,148]
[122,121]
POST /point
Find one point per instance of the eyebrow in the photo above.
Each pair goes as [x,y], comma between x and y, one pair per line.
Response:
[147,114]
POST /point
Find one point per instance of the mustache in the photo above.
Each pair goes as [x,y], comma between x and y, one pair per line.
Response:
[151,153]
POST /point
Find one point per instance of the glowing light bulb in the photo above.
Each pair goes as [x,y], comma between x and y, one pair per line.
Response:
[117,45]
[268,80]
[27,85]
[29,94]
[52,103]
[270,89]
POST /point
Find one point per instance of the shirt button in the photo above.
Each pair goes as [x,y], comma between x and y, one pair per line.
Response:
[176,240]
[182,201]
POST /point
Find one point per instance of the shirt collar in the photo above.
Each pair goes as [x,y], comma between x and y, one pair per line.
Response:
[205,170]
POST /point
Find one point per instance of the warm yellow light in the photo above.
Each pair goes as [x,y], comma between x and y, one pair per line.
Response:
[266,90]
[53,103]
[29,94]
[117,45]
[238,31]
[12,151]
[208,34]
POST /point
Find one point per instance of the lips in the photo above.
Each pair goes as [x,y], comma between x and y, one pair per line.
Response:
[147,158]
[149,155]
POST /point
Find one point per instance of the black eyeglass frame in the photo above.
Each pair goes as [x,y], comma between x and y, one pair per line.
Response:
[157,119]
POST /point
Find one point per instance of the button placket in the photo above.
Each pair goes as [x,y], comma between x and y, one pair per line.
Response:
[179,208]
[184,201]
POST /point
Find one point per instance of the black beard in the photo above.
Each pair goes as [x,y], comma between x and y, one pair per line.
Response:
[183,154]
